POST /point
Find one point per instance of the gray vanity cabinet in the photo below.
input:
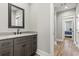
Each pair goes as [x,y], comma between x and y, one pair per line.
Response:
[34,43]
[25,46]
[7,52]
[19,46]
[28,48]
[23,49]
[6,47]
[19,49]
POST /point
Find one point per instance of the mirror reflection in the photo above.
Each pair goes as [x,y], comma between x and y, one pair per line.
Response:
[16,15]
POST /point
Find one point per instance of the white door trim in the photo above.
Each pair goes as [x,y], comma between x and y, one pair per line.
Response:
[51,29]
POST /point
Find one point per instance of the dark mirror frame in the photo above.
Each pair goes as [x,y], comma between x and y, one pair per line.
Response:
[9,16]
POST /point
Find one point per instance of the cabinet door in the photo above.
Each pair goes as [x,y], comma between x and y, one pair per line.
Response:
[28,48]
[34,43]
[7,51]
[6,43]
[19,50]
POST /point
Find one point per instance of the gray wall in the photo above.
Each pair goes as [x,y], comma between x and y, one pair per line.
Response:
[40,15]
[4,17]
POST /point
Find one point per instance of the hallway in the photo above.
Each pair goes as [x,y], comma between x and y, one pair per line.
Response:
[66,48]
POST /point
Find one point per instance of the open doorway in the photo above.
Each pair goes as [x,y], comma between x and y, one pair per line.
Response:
[65,16]
[68,28]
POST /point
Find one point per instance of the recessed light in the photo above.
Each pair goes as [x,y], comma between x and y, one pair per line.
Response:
[66,7]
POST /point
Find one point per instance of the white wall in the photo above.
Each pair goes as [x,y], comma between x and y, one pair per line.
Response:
[40,16]
[59,26]
[4,17]
[44,27]
[33,16]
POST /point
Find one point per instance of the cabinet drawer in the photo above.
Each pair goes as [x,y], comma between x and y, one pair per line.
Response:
[34,36]
[6,43]
[19,40]
[6,52]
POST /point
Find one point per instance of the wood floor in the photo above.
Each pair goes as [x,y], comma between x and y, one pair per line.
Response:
[66,48]
[58,49]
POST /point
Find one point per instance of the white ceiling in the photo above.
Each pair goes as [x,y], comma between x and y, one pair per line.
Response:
[61,6]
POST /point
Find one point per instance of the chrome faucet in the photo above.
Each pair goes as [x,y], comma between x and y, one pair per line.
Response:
[18,31]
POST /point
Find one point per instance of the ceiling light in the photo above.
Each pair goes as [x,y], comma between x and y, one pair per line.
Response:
[66,7]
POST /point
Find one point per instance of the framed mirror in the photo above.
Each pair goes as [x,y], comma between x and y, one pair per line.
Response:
[15,16]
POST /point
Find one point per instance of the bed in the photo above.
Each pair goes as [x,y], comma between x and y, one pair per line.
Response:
[68,34]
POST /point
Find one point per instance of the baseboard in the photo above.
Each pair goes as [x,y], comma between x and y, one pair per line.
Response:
[42,53]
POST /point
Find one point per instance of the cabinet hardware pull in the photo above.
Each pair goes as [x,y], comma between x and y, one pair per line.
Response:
[23,45]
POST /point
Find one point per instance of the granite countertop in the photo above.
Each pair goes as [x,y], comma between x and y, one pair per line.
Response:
[14,36]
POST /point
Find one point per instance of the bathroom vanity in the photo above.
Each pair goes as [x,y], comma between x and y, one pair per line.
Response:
[18,45]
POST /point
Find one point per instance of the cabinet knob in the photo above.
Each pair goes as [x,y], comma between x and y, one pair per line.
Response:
[23,45]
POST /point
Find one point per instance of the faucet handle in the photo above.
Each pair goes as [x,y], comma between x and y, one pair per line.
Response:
[14,33]
[20,32]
